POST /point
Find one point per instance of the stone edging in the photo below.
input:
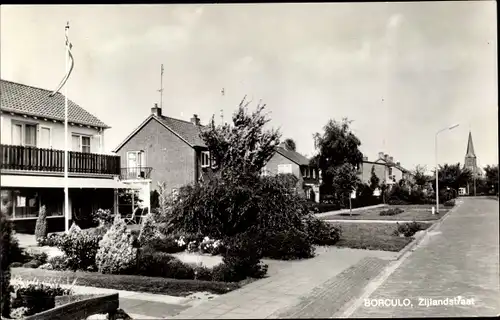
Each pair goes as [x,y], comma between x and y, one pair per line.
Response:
[419,238]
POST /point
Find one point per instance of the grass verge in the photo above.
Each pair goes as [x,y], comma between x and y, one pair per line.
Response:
[409,214]
[172,287]
[372,236]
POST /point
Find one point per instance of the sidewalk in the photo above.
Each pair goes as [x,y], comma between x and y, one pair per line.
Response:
[292,283]
[379,221]
[460,258]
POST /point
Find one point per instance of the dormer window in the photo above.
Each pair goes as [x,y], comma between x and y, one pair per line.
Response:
[205,159]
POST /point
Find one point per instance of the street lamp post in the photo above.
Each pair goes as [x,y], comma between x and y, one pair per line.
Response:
[436,154]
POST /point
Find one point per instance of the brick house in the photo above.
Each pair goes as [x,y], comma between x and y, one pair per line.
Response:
[32,159]
[289,161]
[385,169]
[165,150]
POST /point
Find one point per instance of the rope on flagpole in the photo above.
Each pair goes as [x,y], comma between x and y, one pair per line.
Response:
[66,191]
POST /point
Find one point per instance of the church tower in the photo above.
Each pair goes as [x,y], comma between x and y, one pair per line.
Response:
[471,163]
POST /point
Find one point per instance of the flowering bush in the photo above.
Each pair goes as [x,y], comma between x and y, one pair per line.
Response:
[210,246]
[37,296]
[192,246]
[103,217]
[116,252]
[80,248]
[52,240]
[59,263]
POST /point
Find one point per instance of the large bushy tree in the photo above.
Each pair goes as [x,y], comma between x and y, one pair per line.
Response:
[491,176]
[374,180]
[338,158]
[453,176]
[244,147]
[420,178]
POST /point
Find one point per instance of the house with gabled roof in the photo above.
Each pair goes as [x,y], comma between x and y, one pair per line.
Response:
[385,169]
[32,154]
[286,161]
[166,150]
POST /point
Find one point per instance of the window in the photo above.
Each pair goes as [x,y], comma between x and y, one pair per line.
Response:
[45,137]
[390,171]
[314,173]
[284,168]
[81,143]
[24,134]
[25,203]
[205,159]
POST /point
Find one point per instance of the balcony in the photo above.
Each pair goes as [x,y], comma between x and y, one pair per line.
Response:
[134,173]
[51,160]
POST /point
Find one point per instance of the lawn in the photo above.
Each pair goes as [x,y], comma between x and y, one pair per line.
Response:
[410,213]
[372,236]
[172,287]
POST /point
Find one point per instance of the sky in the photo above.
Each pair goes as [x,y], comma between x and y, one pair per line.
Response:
[400,71]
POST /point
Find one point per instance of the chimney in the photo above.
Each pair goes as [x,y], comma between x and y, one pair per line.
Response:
[386,157]
[365,158]
[282,145]
[156,111]
[381,155]
[399,164]
[195,120]
[391,159]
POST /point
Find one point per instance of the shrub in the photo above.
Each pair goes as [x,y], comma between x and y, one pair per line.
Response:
[286,245]
[52,240]
[241,259]
[103,217]
[321,207]
[36,296]
[408,229]
[41,225]
[169,245]
[17,254]
[32,264]
[210,246]
[5,248]
[80,248]
[59,263]
[160,264]
[320,232]
[391,212]
[449,203]
[16,264]
[116,249]
[149,233]
[202,273]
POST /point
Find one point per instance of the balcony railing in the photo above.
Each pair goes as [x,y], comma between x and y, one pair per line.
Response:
[132,173]
[51,160]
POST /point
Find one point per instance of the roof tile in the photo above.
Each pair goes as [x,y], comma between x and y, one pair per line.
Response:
[20,98]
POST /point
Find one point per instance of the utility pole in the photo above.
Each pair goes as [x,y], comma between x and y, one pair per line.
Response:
[161,87]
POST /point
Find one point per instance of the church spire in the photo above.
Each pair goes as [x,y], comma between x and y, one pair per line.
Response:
[470,148]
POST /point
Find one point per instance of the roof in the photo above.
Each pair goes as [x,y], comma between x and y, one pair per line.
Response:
[27,100]
[185,130]
[470,148]
[293,156]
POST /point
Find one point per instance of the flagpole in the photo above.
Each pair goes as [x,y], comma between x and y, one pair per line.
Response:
[66,195]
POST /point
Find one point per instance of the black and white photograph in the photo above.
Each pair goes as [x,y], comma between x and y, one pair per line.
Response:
[249,160]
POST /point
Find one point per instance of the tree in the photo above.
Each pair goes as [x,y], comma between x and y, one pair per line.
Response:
[344,181]
[338,152]
[491,173]
[290,144]
[244,147]
[453,176]
[374,179]
[419,176]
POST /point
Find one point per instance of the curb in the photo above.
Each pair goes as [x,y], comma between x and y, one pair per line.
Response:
[419,238]
[324,214]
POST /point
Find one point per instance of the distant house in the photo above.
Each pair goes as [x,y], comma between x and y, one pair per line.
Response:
[165,150]
[289,161]
[32,144]
[385,169]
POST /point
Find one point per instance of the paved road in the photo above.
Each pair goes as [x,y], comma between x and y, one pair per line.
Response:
[459,258]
